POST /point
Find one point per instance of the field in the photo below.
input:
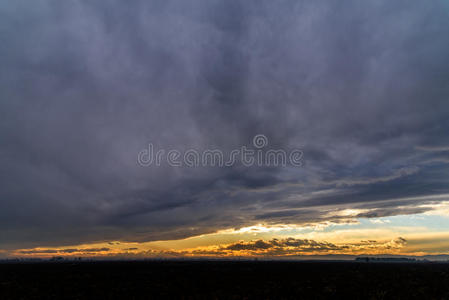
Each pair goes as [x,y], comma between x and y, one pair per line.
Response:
[224,280]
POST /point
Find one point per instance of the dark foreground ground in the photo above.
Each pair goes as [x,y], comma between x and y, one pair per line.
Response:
[224,280]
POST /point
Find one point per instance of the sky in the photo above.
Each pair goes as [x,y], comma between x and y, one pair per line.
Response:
[360,89]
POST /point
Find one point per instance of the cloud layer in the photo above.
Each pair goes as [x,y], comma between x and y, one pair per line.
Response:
[287,247]
[362,88]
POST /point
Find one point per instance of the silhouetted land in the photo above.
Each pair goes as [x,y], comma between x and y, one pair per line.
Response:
[224,279]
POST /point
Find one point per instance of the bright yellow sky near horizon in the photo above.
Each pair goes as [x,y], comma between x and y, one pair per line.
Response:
[415,234]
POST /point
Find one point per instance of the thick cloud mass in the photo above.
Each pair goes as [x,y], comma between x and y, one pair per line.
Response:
[361,87]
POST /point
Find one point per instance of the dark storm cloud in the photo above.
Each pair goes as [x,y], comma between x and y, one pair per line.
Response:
[361,87]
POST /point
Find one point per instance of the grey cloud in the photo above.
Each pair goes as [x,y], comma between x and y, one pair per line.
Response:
[433,148]
[362,88]
[378,213]
[260,244]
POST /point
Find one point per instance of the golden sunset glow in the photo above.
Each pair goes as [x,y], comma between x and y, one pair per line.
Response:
[281,240]
[411,234]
